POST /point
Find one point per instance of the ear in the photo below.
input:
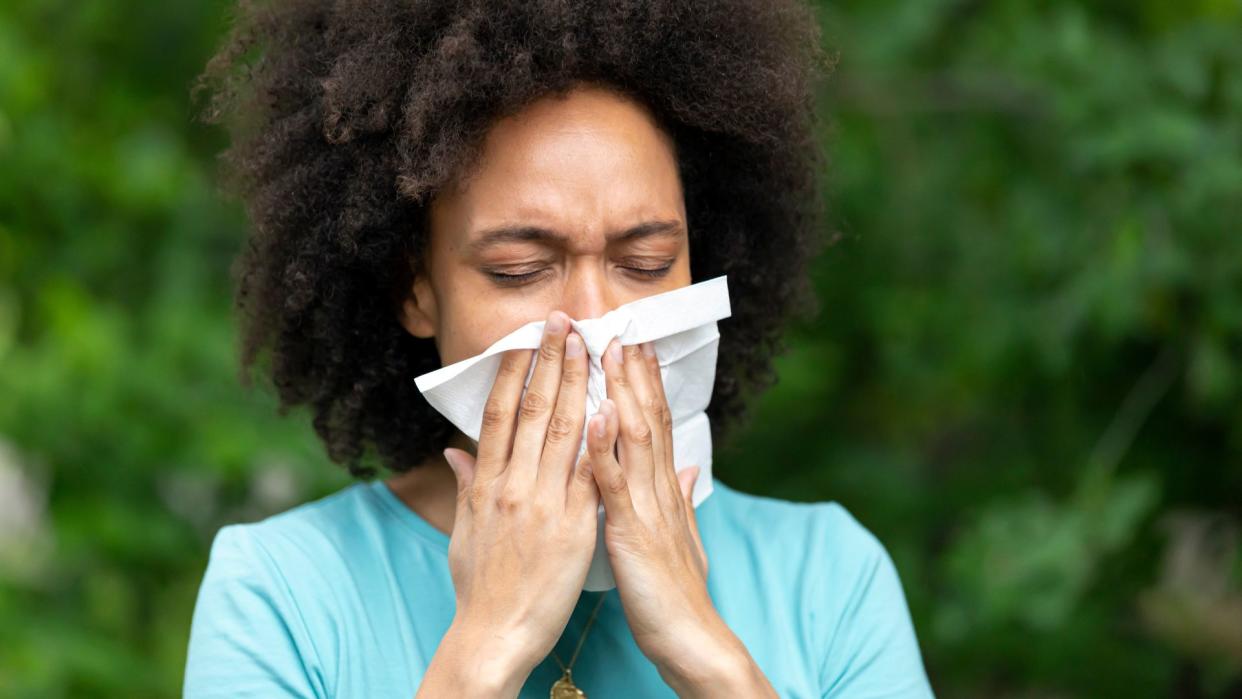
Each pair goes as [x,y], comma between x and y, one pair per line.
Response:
[418,309]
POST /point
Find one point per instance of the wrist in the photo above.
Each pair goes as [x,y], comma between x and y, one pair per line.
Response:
[478,662]
[721,667]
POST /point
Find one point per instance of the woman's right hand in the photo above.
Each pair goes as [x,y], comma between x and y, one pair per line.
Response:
[525,525]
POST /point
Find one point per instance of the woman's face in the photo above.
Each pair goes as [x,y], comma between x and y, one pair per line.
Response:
[576,205]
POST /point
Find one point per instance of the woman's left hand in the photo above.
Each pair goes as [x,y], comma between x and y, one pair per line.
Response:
[652,537]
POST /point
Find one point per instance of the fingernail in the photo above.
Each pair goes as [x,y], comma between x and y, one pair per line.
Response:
[573,346]
[600,426]
[648,349]
[606,407]
[614,351]
[556,323]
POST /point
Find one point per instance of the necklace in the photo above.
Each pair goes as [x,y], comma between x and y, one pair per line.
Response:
[564,688]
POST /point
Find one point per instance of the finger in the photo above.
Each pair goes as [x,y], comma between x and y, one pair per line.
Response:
[582,496]
[635,435]
[536,406]
[686,480]
[613,483]
[496,432]
[564,435]
[652,362]
[463,465]
[644,368]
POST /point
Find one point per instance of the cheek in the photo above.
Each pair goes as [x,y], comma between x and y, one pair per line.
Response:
[478,317]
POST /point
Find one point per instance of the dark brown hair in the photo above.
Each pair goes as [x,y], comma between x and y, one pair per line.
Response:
[347,116]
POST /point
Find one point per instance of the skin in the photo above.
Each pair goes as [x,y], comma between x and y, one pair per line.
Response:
[578,200]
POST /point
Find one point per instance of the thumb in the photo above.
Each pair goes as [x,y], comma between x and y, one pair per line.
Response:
[686,478]
[462,464]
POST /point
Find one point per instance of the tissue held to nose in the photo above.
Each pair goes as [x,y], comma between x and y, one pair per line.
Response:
[680,324]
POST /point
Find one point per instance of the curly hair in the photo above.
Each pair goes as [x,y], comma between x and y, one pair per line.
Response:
[347,116]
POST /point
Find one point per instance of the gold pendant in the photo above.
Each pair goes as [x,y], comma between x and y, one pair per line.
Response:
[564,689]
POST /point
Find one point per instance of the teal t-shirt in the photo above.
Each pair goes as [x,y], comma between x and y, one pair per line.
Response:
[349,595]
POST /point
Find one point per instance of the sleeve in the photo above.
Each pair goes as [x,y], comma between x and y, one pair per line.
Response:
[872,651]
[246,636]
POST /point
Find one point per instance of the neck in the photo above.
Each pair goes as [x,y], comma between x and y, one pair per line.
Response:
[430,488]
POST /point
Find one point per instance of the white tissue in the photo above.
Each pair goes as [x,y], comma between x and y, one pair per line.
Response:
[680,324]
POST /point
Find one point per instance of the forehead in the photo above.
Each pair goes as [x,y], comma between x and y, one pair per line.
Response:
[586,163]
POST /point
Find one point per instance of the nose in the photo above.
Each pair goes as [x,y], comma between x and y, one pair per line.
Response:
[587,294]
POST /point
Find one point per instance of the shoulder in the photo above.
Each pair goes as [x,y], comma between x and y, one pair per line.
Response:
[262,618]
[300,541]
[273,550]
[840,542]
[302,555]
[315,526]
[841,580]
[819,543]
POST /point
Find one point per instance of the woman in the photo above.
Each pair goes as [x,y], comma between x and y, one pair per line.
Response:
[425,177]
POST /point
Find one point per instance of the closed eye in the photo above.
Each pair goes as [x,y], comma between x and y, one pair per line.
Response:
[651,272]
[513,279]
[509,279]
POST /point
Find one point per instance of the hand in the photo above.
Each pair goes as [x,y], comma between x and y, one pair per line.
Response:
[651,533]
[525,525]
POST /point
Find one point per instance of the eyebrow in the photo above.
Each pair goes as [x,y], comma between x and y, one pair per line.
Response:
[537,234]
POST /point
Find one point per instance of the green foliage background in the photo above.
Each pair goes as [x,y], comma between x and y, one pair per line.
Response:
[1024,378]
